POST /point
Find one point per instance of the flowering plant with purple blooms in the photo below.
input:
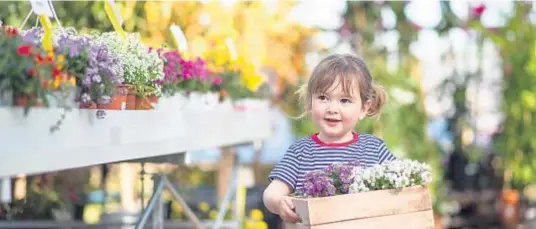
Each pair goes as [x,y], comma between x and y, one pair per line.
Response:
[98,72]
[104,73]
[332,180]
[183,74]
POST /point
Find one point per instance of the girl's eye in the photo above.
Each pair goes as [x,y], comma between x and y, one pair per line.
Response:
[322,97]
[345,101]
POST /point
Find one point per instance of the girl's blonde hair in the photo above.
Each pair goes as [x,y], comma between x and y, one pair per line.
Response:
[350,71]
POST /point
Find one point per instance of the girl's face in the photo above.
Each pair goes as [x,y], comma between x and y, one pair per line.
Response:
[336,113]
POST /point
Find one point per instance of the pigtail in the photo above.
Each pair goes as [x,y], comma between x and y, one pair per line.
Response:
[377,100]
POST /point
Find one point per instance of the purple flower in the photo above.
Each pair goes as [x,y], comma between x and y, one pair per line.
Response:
[332,180]
[32,35]
[72,44]
[101,64]
[103,72]
[318,184]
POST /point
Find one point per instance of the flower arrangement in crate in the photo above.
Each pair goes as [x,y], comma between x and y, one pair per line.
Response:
[143,67]
[29,73]
[382,194]
[333,180]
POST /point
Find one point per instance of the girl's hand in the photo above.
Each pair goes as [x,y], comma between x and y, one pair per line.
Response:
[287,210]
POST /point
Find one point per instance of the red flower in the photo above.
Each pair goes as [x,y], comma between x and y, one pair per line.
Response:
[11,31]
[478,10]
[32,71]
[55,71]
[24,50]
[38,59]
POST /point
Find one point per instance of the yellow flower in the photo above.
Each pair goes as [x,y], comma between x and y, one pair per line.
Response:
[72,80]
[56,83]
[61,59]
[213,214]
[60,62]
[177,207]
[50,54]
[250,224]
[195,178]
[252,81]
[239,64]
[261,225]
[256,214]
[203,206]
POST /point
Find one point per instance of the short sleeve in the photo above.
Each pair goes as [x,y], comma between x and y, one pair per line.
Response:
[287,169]
[384,155]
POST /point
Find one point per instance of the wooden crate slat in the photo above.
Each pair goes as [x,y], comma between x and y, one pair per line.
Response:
[413,220]
[316,211]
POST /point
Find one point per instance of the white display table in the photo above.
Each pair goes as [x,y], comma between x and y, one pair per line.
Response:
[87,137]
[28,146]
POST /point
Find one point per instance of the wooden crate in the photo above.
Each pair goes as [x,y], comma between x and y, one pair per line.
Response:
[409,208]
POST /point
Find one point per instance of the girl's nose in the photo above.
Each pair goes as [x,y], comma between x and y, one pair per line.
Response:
[332,108]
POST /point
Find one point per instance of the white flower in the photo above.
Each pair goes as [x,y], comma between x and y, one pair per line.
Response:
[393,175]
[141,66]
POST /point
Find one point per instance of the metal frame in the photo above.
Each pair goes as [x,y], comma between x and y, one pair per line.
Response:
[230,193]
[155,206]
[154,211]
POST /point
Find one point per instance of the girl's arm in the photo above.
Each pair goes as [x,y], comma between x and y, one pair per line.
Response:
[277,201]
[273,194]
[284,178]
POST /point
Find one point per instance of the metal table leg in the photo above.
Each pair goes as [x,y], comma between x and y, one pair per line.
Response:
[161,183]
[231,191]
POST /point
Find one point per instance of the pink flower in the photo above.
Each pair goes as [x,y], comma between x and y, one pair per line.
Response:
[478,10]
[217,81]
[178,68]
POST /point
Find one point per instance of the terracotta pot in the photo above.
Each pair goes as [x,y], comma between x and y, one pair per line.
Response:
[131,99]
[90,106]
[118,101]
[146,103]
[25,101]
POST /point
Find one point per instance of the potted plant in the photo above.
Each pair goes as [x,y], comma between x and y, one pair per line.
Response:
[28,72]
[97,73]
[142,67]
[192,78]
[16,83]
[239,77]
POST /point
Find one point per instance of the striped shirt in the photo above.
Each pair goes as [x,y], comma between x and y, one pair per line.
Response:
[310,154]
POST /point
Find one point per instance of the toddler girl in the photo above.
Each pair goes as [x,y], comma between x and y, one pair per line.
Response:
[339,93]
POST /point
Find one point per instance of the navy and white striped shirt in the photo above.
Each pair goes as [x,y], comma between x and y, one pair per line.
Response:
[310,154]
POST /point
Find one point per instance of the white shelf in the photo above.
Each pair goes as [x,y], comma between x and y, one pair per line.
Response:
[28,147]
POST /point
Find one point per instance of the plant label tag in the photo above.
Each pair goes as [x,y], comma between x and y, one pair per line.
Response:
[42,7]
